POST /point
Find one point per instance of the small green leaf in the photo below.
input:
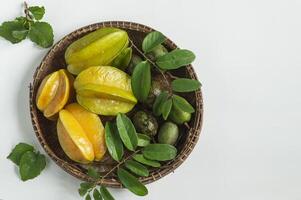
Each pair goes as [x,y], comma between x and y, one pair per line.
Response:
[160,100]
[18,151]
[136,168]
[131,182]
[9,30]
[22,19]
[96,195]
[182,104]
[41,33]
[143,140]
[123,59]
[175,59]
[185,85]
[82,192]
[21,35]
[84,187]
[88,197]
[127,131]
[160,152]
[140,158]
[165,109]
[141,81]
[37,12]
[113,141]
[31,165]
[93,173]
[106,195]
[152,40]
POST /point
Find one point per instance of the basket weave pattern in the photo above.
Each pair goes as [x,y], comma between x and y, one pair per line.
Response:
[55,60]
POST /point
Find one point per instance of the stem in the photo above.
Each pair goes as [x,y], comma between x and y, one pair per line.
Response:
[171,76]
[116,167]
[149,60]
[26,11]
[187,125]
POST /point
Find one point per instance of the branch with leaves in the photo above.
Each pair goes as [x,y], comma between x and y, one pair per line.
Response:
[28,26]
[120,135]
[141,81]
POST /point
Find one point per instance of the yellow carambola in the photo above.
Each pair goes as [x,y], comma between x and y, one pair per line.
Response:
[98,48]
[104,90]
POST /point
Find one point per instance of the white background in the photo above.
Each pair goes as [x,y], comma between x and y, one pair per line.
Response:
[248,59]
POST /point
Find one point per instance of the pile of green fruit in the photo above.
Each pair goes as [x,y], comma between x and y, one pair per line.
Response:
[110,76]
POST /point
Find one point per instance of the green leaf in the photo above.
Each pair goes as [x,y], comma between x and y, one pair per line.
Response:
[84,187]
[21,35]
[152,40]
[160,100]
[141,81]
[185,85]
[18,151]
[175,59]
[106,195]
[88,197]
[123,59]
[127,131]
[140,158]
[41,33]
[31,165]
[165,109]
[96,195]
[143,140]
[136,168]
[113,141]
[9,30]
[131,182]
[82,192]
[182,104]
[93,173]
[37,12]
[22,19]
[160,152]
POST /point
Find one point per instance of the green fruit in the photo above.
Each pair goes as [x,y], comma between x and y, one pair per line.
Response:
[98,48]
[179,116]
[145,123]
[134,61]
[159,85]
[157,52]
[123,59]
[168,133]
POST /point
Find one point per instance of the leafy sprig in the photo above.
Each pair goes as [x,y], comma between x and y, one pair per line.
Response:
[131,167]
[169,61]
[30,162]
[28,26]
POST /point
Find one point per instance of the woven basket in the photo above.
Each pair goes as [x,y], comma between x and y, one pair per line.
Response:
[46,130]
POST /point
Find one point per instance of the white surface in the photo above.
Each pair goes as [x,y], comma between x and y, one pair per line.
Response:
[248,59]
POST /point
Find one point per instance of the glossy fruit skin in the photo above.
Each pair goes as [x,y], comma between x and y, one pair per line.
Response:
[123,59]
[81,134]
[145,123]
[98,48]
[92,126]
[168,133]
[134,61]
[73,138]
[159,85]
[54,92]
[105,90]
[179,116]
[157,52]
